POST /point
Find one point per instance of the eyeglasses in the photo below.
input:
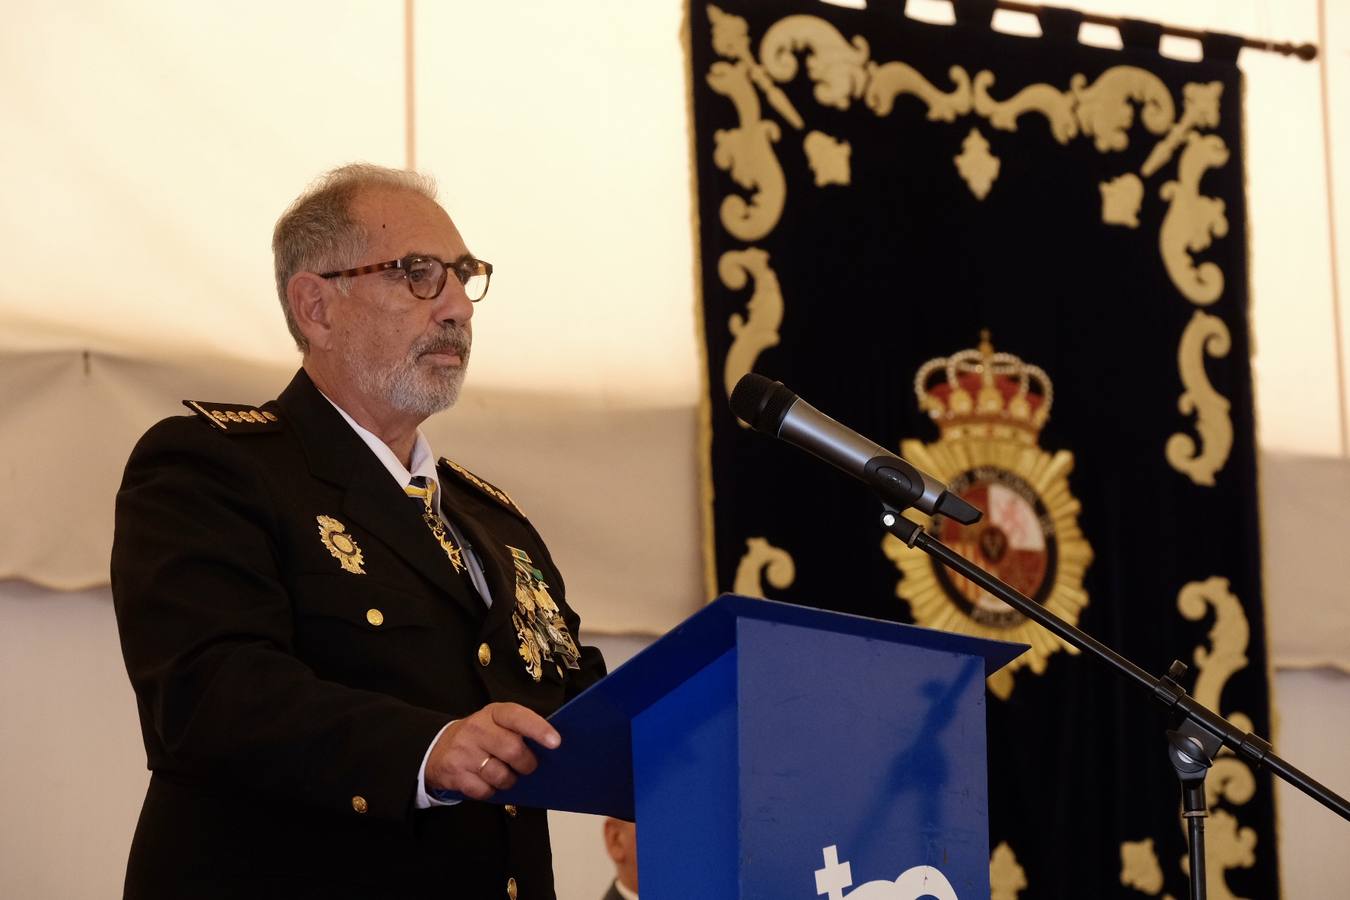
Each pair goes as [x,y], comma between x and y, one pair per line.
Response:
[425,275]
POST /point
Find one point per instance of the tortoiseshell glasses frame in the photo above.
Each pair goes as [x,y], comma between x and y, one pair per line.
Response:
[426,275]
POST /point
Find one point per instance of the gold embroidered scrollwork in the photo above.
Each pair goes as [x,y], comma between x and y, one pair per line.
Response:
[1228,638]
[888,81]
[757,330]
[977,165]
[1205,335]
[1121,198]
[1056,106]
[828,158]
[1190,225]
[1139,868]
[763,559]
[838,69]
[1230,845]
[1201,110]
[1007,879]
[1103,108]
[746,152]
[731,39]
[1193,221]
[836,66]
[1230,779]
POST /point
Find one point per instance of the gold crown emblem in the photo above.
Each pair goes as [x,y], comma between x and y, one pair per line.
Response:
[980,393]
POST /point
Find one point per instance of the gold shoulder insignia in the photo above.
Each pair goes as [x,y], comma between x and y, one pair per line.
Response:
[491,490]
[234,418]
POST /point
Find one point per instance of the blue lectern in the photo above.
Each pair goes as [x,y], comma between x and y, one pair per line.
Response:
[771,751]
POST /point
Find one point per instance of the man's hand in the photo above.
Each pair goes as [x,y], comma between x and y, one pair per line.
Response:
[485,752]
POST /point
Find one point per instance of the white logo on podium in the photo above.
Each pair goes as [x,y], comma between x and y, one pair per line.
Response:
[913,884]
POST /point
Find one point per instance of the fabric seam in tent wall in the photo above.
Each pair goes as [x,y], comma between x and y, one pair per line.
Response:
[409,86]
[1333,239]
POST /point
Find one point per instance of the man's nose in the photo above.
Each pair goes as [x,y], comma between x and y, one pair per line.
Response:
[453,304]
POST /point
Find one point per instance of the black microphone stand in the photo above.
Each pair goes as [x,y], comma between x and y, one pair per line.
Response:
[1200,732]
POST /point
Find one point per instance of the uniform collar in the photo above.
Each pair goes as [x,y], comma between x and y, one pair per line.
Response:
[423,462]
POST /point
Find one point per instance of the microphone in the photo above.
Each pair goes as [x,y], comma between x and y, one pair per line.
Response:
[770,407]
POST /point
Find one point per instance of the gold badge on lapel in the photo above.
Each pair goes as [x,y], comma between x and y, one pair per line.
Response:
[539,624]
[341,544]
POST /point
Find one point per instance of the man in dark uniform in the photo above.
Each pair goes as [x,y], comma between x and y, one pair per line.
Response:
[333,638]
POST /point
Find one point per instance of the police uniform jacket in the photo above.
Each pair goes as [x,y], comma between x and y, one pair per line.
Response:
[296,637]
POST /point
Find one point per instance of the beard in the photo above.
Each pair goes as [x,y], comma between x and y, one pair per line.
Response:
[412,387]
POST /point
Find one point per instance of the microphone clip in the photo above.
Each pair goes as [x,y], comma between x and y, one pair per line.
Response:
[902,486]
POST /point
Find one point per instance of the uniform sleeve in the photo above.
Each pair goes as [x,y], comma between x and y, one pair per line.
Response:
[207,631]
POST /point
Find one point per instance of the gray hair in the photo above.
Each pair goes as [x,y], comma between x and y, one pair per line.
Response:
[316,233]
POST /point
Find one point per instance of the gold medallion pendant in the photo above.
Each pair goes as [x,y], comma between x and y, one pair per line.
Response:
[539,624]
[990,408]
[341,544]
[424,491]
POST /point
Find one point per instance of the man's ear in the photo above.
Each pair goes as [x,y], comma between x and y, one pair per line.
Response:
[308,297]
[614,839]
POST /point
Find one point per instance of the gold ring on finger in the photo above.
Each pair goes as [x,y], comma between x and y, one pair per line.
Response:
[483,765]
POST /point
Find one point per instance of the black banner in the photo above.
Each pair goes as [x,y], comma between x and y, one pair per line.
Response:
[1022,262]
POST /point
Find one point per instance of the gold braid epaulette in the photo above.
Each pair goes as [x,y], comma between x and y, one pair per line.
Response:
[486,487]
[235,418]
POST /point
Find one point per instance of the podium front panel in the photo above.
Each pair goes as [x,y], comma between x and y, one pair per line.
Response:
[860,761]
[685,786]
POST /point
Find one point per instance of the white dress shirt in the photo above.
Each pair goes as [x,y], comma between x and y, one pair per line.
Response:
[423,464]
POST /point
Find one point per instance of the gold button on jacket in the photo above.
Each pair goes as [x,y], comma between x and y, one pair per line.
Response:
[511,888]
[374,617]
[510,810]
[359,804]
[484,654]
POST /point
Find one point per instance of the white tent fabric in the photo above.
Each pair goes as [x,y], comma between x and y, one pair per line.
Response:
[1305,517]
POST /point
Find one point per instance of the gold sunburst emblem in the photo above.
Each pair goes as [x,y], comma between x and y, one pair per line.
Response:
[341,544]
[990,408]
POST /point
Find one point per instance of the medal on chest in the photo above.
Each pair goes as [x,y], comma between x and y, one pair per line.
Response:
[539,624]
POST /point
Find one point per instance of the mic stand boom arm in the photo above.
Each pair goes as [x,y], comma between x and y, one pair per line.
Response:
[1198,737]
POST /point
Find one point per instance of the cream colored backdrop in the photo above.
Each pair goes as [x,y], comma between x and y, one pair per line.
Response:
[149,146]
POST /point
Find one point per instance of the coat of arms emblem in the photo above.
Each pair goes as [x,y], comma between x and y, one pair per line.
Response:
[989,408]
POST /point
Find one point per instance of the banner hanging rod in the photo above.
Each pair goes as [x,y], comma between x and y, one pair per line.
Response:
[1306,52]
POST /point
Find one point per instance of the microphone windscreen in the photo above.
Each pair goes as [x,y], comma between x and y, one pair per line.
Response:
[761,403]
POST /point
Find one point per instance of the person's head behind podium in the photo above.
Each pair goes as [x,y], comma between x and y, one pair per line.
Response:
[621,844]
